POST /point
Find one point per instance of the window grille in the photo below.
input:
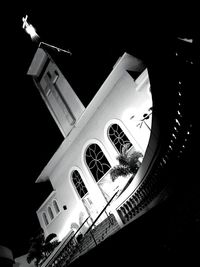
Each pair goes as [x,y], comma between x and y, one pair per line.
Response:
[118,138]
[97,162]
[79,184]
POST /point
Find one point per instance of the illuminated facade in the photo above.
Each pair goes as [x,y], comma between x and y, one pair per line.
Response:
[79,171]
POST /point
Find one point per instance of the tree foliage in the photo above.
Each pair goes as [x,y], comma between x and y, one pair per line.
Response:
[41,247]
[128,162]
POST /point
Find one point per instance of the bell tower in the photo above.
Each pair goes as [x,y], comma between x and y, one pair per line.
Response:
[62,102]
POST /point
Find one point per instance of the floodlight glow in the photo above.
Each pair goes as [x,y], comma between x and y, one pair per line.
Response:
[174,135]
[179,113]
[186,40]
[175,129]
[177,121]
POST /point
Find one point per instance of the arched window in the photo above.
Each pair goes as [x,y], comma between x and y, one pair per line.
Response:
[55,205]
[50,213]
[44,216]
[79,184]
[117,137]
[96,161]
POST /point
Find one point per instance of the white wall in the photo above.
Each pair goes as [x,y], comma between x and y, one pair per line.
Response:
[123,101]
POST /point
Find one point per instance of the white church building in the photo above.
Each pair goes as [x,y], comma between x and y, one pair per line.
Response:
[79,170]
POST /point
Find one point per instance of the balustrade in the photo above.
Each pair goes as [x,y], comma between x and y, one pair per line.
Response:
[95,234]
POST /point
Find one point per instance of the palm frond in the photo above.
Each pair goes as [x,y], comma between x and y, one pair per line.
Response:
[134,162]
[128,162]
[123,160]
[119,170]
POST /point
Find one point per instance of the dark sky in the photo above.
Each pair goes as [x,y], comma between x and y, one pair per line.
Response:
[30,136]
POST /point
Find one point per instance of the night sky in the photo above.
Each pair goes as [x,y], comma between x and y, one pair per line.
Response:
[29,134]
[96,38]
